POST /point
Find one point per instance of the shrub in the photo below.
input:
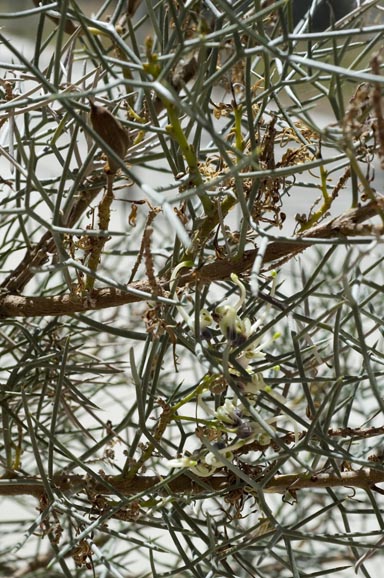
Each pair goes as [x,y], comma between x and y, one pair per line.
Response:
[192,280]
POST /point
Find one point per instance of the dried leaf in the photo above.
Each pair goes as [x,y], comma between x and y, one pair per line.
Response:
[133,215]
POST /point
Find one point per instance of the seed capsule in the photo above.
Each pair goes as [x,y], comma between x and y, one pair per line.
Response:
[111,131]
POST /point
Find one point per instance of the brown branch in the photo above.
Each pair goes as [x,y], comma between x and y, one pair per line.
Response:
[365,478]
[68,304]
[345,225]
[291,437]
[40,253]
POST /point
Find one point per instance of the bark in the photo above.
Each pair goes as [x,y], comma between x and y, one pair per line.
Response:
[345,226]
[365,478]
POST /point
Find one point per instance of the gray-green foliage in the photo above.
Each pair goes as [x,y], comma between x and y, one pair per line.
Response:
[192,335]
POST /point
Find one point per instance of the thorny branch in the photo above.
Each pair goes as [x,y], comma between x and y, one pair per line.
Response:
[348,224]
[39,254]
[245,400]
[364,478]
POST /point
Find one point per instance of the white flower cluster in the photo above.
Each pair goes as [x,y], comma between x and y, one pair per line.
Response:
[231,417]
[235,330]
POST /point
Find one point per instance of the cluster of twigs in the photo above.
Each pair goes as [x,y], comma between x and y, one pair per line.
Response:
[191,293]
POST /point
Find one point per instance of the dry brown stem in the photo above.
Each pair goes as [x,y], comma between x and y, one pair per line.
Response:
[365,478]
[39,254]
[345,225]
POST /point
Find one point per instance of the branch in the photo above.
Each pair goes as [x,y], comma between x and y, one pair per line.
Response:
[346,225]
[40,253]
[365,478]
[343,226]
[293,437]
[68,304]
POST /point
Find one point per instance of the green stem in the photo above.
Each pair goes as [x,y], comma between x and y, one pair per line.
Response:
[327,202]
[174,129]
